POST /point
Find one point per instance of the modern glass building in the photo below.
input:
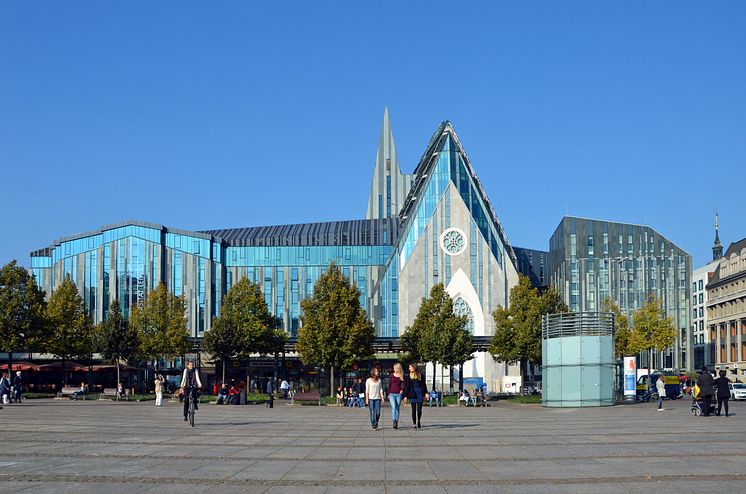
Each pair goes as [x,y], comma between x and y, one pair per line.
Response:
[433,226]
[592,260]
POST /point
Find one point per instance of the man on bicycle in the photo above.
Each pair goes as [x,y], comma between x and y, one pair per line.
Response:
[190,382]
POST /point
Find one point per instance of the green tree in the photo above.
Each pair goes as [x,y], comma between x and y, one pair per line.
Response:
[517,336]
[438,335]
[117,340]
[621,329]
[22,309]
[161,325]
[70,329]
[336,331]
[651,330]
[245,325]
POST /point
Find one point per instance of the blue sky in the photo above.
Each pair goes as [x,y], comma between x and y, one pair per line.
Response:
[205,115]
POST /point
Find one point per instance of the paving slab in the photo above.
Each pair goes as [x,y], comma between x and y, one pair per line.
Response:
[85,446]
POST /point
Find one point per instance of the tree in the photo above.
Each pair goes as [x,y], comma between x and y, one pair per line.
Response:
[161,325]
[336,331]
[621,329]
[244,326]
[117,339]
[70,328]
[22,308]
[517,336]
[438,335]
[651,330]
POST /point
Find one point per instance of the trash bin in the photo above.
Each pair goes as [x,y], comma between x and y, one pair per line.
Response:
[242,397]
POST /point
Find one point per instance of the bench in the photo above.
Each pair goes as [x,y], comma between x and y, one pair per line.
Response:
[309,396]
[71,392]
[111,393]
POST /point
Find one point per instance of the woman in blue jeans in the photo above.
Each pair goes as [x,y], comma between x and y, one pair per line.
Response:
[373,397]
[396,386]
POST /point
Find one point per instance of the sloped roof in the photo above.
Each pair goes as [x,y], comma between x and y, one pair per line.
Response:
[733,248]
[423,170]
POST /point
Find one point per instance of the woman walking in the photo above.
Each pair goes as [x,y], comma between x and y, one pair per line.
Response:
[415,390]
[158,390]
[396,385]
[373,397]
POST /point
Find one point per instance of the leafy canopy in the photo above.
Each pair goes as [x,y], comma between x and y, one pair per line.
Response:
[161,325]
[22,309]
[117,339]
[245,324]
[621,329]
[651,328]
[336,330]
[437,334]
[518,327]
[71,330]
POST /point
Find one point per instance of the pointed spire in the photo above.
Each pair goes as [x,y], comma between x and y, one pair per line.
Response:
[717,247]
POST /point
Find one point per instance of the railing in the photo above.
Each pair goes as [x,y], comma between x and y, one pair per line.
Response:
[577,324]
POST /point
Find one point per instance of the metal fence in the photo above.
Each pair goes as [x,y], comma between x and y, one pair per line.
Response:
[577,324]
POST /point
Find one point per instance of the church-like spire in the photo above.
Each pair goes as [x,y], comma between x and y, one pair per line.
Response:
[717,247]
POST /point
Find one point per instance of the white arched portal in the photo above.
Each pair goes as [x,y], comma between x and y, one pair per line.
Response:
[461,287]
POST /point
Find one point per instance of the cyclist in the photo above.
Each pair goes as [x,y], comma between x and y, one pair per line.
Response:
[190,382]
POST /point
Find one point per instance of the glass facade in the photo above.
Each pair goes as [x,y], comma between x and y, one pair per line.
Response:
[594,260]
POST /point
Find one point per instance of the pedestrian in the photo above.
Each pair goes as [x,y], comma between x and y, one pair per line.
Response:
[415,391]
[396,386]
[660,386]
[270,393]
[285,387]
[158,390]
[705,383]
[723,392]
[373,397]
[18,386]
[5,388]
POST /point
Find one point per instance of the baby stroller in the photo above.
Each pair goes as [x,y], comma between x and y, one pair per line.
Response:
[698,404]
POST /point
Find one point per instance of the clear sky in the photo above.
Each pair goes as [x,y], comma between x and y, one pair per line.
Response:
[204,115]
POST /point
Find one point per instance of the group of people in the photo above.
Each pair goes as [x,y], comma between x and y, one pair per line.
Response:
[475,397]
[352,396]
[10,392]
[708,388]
[402,388]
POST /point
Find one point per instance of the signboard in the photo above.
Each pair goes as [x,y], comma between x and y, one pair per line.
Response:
[630,376]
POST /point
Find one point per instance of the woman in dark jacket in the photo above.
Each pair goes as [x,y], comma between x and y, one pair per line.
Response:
[723,392]
[415,391]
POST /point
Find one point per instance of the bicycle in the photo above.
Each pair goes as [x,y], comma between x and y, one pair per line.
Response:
[192,397]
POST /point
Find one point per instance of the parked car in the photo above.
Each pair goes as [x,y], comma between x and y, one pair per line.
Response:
[737,391]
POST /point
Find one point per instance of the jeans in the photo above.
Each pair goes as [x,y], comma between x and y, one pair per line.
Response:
[660,401]
[187,391]
[395,400]
[375,412]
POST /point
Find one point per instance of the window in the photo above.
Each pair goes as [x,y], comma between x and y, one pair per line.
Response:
[701,298]
[700,284]
[701,312]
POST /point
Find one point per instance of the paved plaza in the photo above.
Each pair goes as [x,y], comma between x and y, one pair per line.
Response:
[56,446]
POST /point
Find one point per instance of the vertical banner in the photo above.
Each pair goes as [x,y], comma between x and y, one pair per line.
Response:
[630,376]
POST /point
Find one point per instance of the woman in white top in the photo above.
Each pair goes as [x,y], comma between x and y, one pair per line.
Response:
[373,397]
[660,386]
[158,390]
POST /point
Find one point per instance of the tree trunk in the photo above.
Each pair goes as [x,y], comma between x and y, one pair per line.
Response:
[442,370]
[435,367]
[460,378]
[248,375]
[533,374]
[523,377]
[650,362]
[118,378]
[450,378]
[331,380]
[64,374]
[223,381]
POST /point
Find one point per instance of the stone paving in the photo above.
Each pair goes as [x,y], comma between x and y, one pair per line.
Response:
[57,446]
